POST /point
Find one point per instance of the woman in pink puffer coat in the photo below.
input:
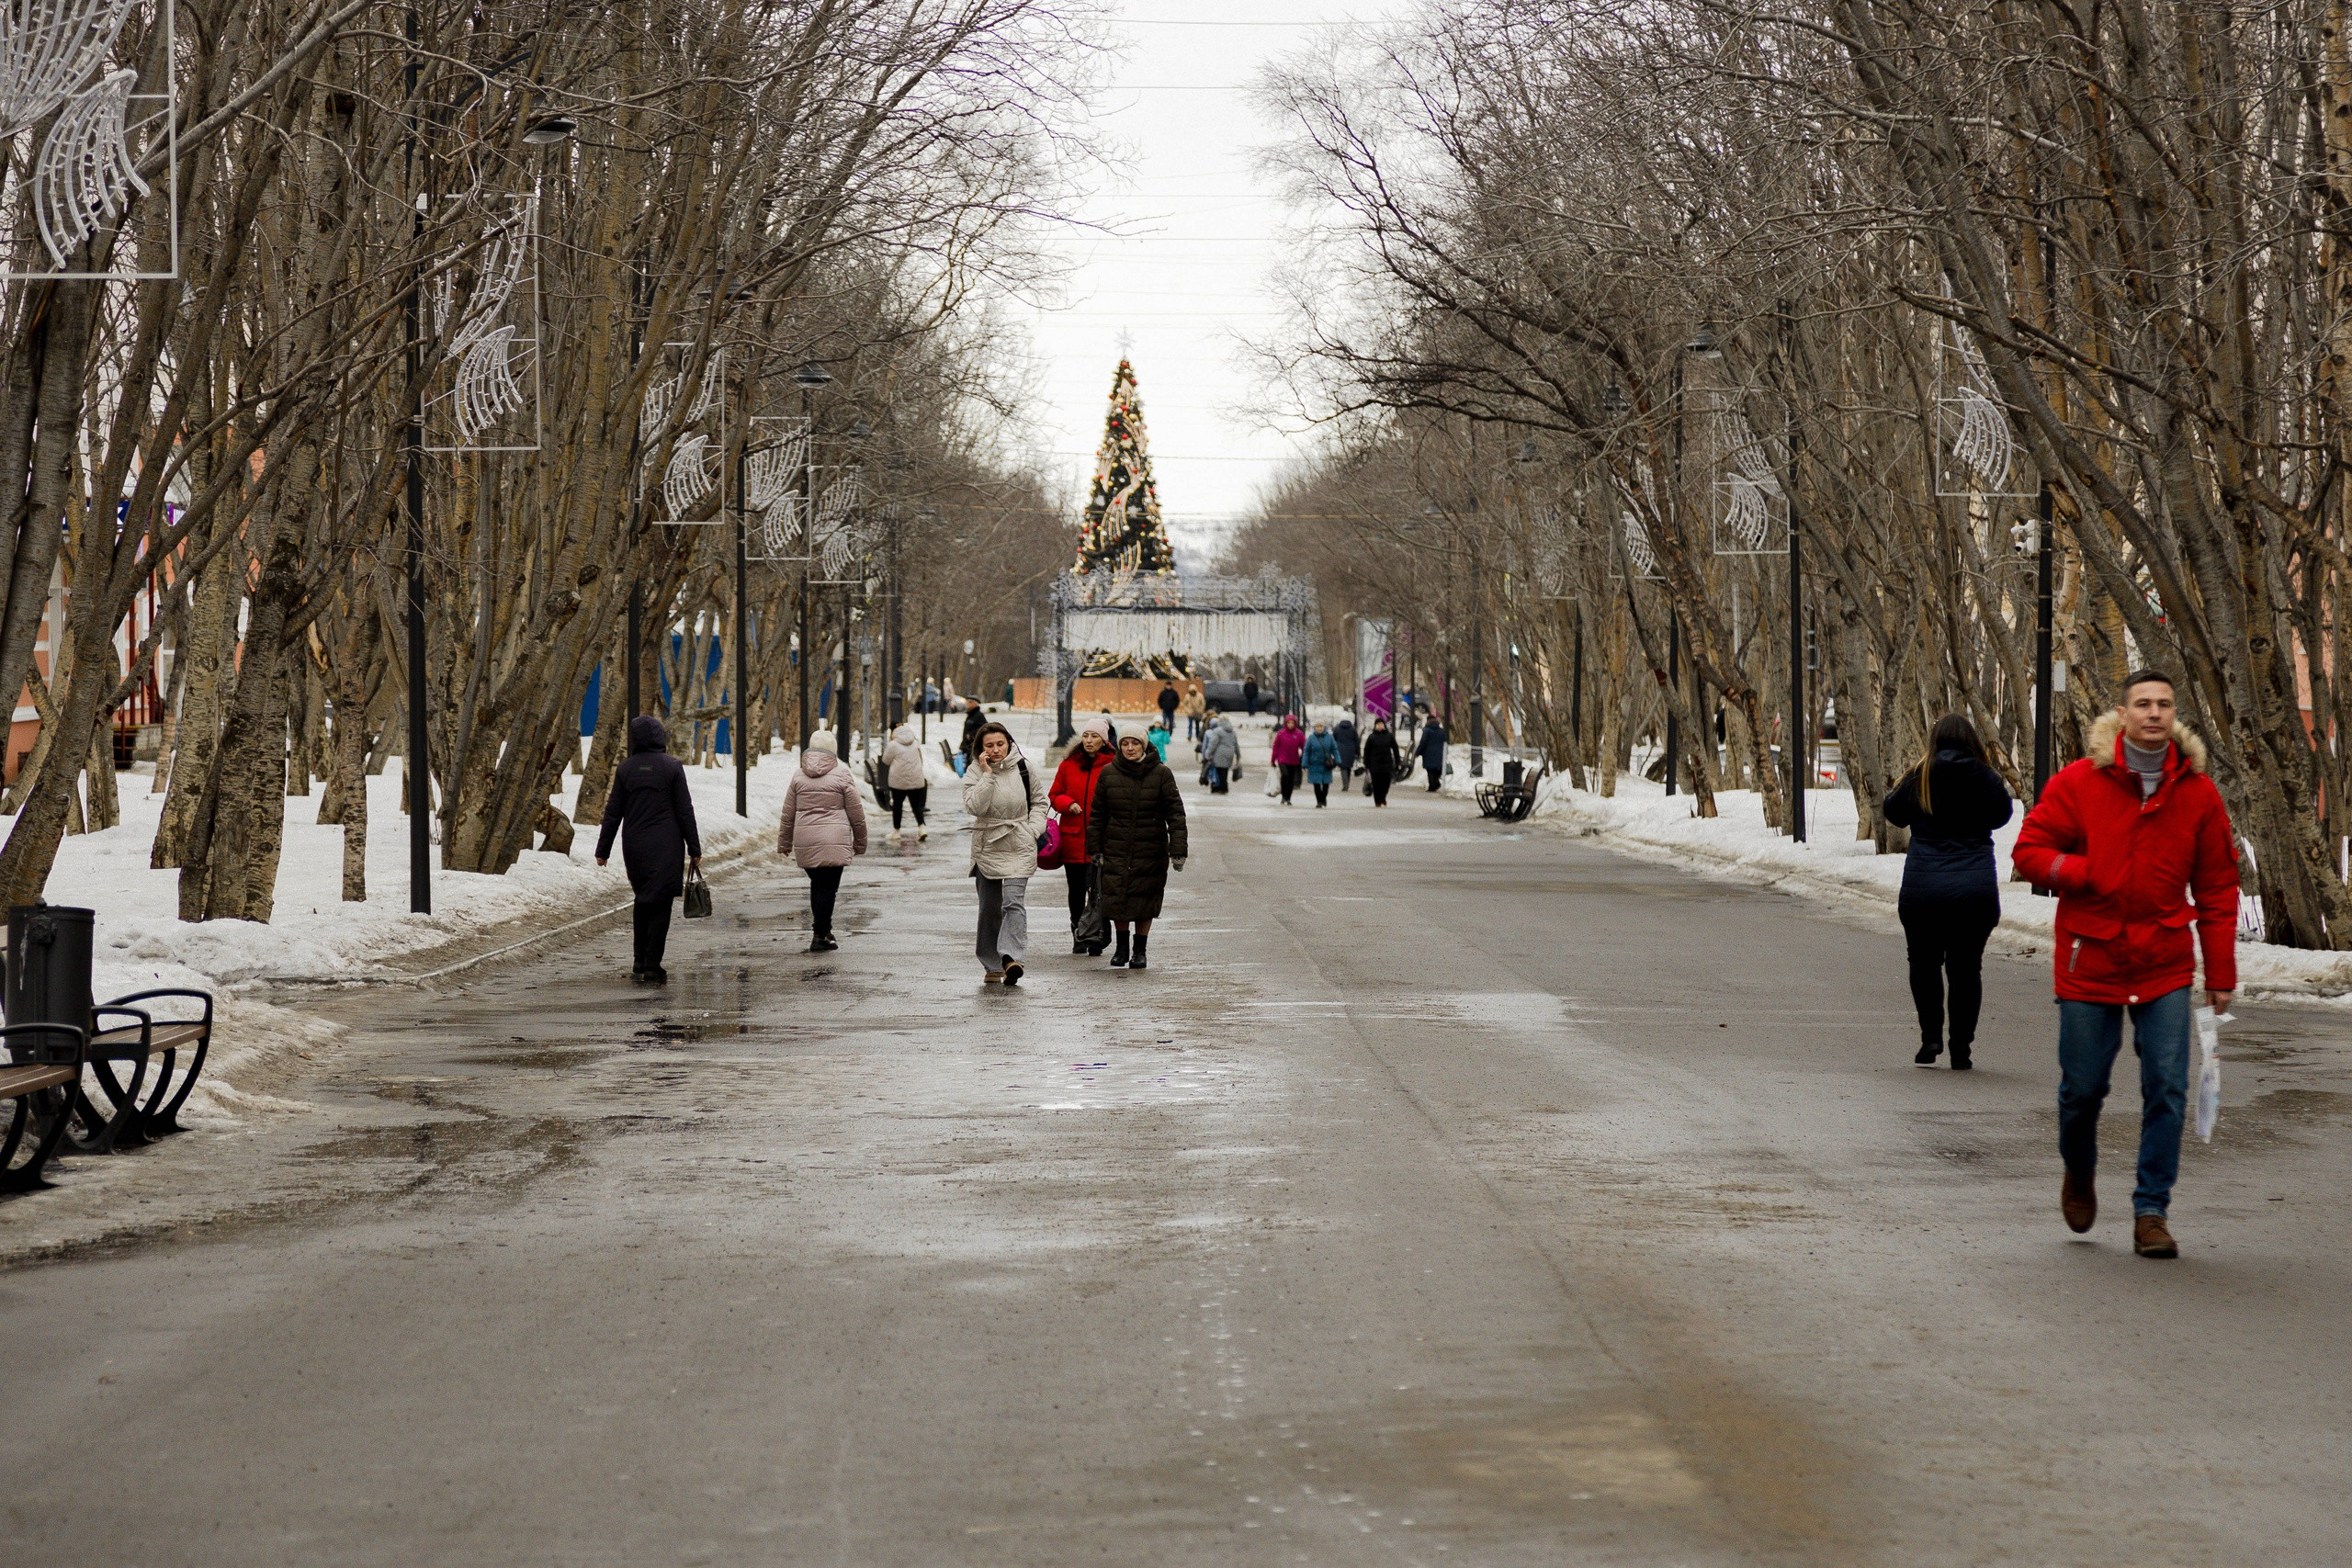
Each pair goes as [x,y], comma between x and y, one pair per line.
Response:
[823,829]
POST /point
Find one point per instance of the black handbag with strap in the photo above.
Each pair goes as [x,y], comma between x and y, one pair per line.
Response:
[697,896]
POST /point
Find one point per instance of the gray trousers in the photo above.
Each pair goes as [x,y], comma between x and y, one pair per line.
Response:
[1004,920]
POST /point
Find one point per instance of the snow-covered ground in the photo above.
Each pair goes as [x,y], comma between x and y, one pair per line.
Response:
[1832,865]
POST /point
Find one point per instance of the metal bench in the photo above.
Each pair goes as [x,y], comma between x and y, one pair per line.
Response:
[1514,798]
[128,1120]
[39,1086]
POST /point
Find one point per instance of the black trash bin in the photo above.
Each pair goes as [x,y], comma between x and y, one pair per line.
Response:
[49,963]
[1513,772]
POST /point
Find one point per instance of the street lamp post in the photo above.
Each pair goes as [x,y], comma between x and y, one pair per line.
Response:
[811,377]
[742,656]
[1800,763]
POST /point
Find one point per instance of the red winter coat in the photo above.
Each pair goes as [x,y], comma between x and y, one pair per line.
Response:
[1073,798]
[2124,870]
[1290,745]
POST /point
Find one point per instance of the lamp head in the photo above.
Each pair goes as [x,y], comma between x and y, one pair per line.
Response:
[812,376]
[549,130]
[1703,344]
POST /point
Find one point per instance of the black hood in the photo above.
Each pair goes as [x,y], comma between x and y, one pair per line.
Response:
[646,734]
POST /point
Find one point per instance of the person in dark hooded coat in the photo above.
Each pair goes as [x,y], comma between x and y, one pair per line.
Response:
[1135,832]
[650,809]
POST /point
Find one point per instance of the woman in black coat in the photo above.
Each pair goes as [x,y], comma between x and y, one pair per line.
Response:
[1381,759]
[1135,832]
[1952,801]
[650,807]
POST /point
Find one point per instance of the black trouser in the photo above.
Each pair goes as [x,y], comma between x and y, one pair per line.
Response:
[1078,877]
[1437,775]
[1323,793]
[652,922]
[1946,937]
[1380,782]
[903,798]
[1290,774]
[824,885]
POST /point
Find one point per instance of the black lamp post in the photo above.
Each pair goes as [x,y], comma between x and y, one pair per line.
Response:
[811,378]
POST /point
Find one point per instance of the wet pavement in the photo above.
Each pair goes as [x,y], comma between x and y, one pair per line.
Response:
[1444,1193]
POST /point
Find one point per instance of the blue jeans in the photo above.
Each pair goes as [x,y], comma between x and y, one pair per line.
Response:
[2089,1035]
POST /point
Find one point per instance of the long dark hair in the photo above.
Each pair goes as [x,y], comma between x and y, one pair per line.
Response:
[1953,733]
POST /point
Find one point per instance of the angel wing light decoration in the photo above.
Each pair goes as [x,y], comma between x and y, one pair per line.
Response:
[1984,444]
[56,58]
[834,536]
[688,478]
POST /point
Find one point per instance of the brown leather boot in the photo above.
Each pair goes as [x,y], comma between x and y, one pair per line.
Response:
[2150,1239]
[2078,1201]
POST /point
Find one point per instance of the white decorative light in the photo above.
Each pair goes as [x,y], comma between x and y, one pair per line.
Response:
[688,478]
[48,48]
[1985,442]
[487,390]
[84,168]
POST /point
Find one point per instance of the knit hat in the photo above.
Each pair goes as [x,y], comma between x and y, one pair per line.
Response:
[1097,726]
[823,741]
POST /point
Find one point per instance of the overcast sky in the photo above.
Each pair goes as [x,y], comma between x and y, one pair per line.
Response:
[1190,269]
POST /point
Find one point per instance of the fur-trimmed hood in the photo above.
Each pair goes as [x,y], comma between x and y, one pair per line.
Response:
[2109,730]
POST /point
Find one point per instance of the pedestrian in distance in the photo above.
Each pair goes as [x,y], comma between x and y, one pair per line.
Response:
[1135,833]
[1344,735]
[1159,737]
[822,828]
[1288,752]
[1249,695]
[1221,751]
[1951,800]
[1431,752]
[1072,795]
[908,783]
[1382,760]
[652,809]
[1196,709]
[1007,802]
[2137,842]
[974,719]
[1169,702]
[1321,756]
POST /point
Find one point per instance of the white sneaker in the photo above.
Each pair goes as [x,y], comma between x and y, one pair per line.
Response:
[921,833]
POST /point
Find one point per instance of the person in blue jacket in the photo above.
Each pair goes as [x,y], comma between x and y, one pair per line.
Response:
[1952,801]
[1431,752]
[1322,760]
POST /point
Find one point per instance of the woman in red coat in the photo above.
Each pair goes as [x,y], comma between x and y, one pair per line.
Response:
[1073,797]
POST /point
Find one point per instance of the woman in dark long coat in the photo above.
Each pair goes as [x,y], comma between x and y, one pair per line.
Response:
[1135,832]
[652,809]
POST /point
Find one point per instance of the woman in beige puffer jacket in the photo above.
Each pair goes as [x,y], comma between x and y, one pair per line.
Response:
[822,828]
[1008,801]
[909,785]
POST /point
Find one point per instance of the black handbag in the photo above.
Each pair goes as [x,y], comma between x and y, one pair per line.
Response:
[697,896]
[1092,927]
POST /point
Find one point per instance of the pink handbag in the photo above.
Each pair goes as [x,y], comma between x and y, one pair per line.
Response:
[1049,848]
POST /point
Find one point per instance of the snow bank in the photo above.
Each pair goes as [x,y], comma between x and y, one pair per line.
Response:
[1834,866]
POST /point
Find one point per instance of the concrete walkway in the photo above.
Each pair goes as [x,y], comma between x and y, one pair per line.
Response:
[1443,1193]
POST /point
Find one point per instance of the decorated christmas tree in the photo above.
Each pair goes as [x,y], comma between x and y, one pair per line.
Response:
[1122,533]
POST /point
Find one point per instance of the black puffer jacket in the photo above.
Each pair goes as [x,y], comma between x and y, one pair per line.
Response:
[652,809]
[1952,847]
[1133,829]
[1381,755]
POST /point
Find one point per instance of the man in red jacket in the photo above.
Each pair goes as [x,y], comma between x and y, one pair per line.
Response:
[2137,842]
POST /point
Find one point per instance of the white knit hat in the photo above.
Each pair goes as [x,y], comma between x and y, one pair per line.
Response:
[1096,726]
[823,741]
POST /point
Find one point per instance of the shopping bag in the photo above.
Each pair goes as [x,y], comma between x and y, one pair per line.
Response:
[1273,781]
[697,896]
[1049,845]
[2209,1070]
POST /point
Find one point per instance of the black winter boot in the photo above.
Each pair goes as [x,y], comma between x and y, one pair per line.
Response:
[1136,962]
[1119,951]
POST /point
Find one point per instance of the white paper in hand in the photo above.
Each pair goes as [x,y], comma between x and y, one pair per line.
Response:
[2209,1071]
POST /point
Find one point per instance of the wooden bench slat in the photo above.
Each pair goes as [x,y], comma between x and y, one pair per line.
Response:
[18,1081]
[168,1037]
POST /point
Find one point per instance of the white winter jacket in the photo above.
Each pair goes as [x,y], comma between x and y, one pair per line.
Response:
[904,759]
[1006,819]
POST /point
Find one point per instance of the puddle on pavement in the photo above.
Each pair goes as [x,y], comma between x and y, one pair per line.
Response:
[667,1032]
[480,1149]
